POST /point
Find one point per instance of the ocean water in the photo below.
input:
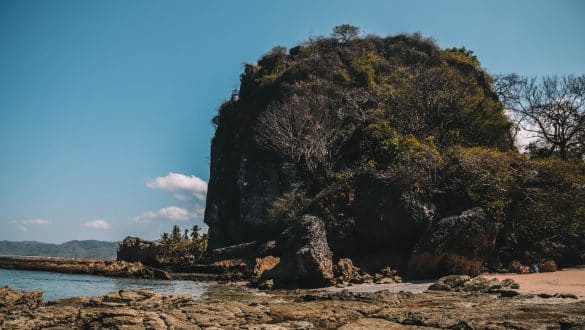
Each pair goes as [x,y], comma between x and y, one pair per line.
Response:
[57,286]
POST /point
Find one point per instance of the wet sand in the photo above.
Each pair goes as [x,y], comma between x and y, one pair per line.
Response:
[564,281]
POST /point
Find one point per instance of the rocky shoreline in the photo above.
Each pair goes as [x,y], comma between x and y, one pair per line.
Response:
[458,302]
[102,267]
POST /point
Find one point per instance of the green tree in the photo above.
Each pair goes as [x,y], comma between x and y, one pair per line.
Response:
[345,32]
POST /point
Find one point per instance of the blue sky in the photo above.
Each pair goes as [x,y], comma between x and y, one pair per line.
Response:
[101,100]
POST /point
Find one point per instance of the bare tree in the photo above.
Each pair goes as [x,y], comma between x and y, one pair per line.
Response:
[551,108]
[304,129]
[430,100]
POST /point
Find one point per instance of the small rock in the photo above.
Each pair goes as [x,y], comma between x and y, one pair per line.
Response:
[547,266]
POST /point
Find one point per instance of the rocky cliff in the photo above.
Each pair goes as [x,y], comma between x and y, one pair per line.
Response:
[400,149]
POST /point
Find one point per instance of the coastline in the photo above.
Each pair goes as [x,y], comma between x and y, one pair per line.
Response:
[101,267]
[236,307]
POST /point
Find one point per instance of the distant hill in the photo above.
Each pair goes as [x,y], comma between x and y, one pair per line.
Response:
[71,249]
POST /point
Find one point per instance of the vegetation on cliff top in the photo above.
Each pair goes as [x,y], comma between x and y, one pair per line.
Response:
[427,120]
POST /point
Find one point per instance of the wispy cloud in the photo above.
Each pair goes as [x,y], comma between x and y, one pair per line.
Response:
[23,225]
[97,224]
[173,213]
[181,185]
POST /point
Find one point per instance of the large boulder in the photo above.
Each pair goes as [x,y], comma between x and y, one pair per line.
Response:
[455,245]
[133,249]
[306,260]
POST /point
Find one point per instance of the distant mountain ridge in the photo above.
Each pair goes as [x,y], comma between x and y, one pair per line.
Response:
[71,249]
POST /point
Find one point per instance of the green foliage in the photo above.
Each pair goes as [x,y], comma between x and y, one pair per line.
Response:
[174,241]
[365,65]
[199,245]
[462,54]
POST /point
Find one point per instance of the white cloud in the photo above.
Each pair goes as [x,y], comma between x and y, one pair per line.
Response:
[23,225]
[174,213]
[97,224]
[179,184]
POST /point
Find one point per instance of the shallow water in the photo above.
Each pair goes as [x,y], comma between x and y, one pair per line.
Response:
[57,286]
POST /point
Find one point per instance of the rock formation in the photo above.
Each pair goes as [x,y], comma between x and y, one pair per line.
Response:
[404,152]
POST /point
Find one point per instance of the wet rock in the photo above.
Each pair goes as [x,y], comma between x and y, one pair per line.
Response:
[307,259]
[455,245]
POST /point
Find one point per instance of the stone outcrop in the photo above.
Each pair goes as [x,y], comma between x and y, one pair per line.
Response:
[455,245]
[306,260]
[101,267]
[135,249]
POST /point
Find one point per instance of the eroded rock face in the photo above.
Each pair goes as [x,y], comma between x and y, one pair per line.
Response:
[307,259]
[455,245]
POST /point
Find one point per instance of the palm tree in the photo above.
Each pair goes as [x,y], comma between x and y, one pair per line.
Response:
[176,234]
[165,239]
[195,232]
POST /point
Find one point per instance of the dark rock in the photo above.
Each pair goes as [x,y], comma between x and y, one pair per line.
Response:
[387,216]
[455,245]
[464,283]
[133,249]
[307,259]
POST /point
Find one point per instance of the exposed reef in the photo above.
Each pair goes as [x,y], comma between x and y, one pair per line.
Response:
[242,309]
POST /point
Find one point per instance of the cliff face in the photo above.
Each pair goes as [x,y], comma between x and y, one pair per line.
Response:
[382,138]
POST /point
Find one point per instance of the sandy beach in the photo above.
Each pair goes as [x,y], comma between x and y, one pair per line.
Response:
[570,280]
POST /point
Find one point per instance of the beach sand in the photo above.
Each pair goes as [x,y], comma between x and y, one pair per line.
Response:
[564,281]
